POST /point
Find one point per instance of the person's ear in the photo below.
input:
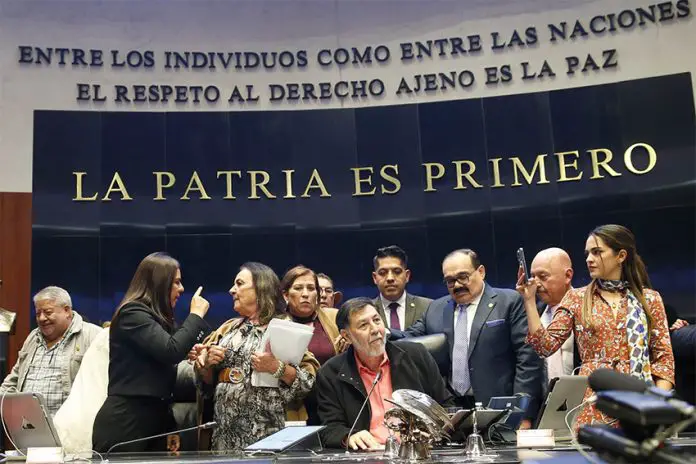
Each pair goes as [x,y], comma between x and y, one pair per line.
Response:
[338,298]
[622,255]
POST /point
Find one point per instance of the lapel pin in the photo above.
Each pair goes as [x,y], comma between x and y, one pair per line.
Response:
[490,305]
[413,304]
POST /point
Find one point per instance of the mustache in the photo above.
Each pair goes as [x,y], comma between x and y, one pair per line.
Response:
[459,290]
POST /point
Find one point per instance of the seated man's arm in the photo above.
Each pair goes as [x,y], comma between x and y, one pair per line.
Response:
[330,413]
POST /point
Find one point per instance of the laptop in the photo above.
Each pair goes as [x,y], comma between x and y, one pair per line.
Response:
[27,421]
[286,438]
[565,393]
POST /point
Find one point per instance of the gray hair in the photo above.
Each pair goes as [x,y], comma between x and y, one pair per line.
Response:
[56,294]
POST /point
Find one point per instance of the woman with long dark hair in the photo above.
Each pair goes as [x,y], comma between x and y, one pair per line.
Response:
[144,349]
[618,321]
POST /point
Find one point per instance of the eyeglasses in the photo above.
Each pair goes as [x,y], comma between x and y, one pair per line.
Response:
[463,279]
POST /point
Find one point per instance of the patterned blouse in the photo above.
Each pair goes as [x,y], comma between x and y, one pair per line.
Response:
[606,344]
[245,413]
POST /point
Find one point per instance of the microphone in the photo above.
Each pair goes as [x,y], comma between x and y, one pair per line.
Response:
[378,377]
[609,379]
[206,426]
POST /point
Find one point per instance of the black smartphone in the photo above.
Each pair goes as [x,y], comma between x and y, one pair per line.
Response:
[523,263]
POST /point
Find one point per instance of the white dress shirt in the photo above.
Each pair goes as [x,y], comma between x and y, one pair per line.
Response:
[400,311]
[561,362]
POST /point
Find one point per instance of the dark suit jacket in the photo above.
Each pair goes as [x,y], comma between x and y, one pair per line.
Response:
[415,308]
[341,392]
[500,362]
[143,355]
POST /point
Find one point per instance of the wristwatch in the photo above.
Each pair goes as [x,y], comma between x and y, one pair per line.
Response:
[280,372]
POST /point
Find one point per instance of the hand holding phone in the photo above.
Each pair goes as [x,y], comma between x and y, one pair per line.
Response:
[523,263]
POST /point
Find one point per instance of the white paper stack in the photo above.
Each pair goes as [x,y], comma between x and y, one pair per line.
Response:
[288,342]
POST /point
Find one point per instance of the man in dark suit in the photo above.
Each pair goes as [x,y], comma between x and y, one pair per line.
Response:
[399,309]
[486,329]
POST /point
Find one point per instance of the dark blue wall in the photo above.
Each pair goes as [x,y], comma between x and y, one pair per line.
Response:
[92,248]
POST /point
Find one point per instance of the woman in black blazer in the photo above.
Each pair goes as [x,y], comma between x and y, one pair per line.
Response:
[144,350]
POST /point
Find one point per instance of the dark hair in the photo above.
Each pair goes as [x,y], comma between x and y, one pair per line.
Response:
[296,272]
[151,286]
[269,300]
[349,307]
[473,256]
[633,269]
[321,275]
[391,251]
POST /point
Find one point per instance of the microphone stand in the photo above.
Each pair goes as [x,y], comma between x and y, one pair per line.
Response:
[205,426]
[367,398]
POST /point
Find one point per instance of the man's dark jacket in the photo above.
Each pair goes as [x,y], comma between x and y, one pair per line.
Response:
[340,390]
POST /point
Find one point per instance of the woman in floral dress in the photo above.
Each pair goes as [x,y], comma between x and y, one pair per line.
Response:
[228,357]
[618,321]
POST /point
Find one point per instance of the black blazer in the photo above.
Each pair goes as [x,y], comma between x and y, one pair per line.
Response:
[500,362]
[143,355]
[340,390]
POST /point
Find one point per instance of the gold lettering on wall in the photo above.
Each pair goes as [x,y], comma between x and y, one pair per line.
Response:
[159,176]
[563,165]
[430,176]
[259,185]
[518,168]
[392,179]
[495,165]
[315,182]
[604,163]
[461,174]
[228,182]
[117,185]
[359,180]
[628,158]
[197,188]
[78,188]
[288,183]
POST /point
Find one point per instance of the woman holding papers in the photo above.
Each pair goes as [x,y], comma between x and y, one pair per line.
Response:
[231,356]
[300,287]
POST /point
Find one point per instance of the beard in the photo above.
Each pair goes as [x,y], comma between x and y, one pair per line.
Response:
[376,348]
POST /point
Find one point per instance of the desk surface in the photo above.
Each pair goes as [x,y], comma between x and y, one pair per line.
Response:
[503,455]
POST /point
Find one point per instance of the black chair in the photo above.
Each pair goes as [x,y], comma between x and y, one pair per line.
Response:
[184,408]
[437,346]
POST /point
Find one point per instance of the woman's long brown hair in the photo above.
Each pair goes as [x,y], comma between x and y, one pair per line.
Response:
[269,300]
[151,286]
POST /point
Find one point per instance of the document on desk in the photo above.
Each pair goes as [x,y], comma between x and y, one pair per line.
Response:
[288,342]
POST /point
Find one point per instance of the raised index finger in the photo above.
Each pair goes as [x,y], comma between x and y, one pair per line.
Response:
[198,292]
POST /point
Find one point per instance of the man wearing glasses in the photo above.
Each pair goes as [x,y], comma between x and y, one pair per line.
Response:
[486,329]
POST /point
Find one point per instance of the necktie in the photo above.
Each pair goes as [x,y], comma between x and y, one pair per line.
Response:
[460,354]
[394,316]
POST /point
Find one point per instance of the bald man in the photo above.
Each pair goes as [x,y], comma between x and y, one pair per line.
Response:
[554,272]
